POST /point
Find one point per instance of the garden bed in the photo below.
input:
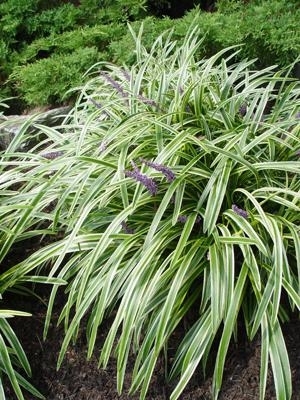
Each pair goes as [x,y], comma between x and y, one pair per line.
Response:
[167,206]
[80,379]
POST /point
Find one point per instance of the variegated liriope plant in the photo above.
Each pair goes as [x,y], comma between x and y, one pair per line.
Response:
[175,188]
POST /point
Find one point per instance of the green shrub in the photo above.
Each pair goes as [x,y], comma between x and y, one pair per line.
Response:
[176,185]
[24,20]
[34,30]
[55,20]
[39,24]
[267,29]
[270,32]
[13,22]
[98,36]
[68,56]
[112,11]
[125,11]
[4,55]
[173,8]
[47,81]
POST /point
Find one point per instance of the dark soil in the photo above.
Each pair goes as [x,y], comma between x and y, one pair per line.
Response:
[80,379]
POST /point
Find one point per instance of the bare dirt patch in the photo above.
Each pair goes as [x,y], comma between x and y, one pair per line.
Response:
[82,380]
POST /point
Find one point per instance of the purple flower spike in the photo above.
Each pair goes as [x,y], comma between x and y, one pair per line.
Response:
[239,211]
[182,219]
[95,103]
[161,168]
[114,84]
[147,101]
[198,220]
[126,75]
[149,183]
[243,110]
[52,155]
[126,228]
[99,106]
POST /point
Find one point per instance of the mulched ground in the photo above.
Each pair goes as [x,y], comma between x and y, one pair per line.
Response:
[80,379]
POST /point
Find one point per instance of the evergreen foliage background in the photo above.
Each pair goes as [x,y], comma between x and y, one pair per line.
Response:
[46,46]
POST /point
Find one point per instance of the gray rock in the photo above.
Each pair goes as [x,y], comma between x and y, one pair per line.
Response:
[11,126]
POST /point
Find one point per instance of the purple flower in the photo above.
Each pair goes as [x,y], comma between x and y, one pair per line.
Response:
[52,155]
[95,103]
[243,110]
[198,220]
[126,74]
[182,219]
[126,228]
[98,105]
[114,84]
[149,102]
[239,211]
[136,174]
[161,168]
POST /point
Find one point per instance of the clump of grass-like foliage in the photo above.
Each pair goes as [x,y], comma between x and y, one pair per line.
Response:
[176,187]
